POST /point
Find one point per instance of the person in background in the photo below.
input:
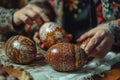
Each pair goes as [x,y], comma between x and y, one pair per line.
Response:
[107,33]
[75,16]
[79,16]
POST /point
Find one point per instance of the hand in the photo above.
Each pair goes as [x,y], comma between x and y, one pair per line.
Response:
[29,14]
[36,38]
[100,41]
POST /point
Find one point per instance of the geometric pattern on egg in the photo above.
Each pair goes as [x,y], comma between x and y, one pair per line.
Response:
[51,33]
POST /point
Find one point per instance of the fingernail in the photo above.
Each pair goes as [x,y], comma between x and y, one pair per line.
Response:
[83,46]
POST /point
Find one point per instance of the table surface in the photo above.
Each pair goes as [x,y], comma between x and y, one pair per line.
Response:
[40,70]
[113,74]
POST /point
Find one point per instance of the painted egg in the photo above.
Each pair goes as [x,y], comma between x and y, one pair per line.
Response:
[66,57]
[51,33]
[20,49]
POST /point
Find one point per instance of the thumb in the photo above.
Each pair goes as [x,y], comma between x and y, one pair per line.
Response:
[36,37]
[16,20]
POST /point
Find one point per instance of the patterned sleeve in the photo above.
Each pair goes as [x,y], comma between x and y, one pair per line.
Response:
[115,28]
[6,19]
[111,14]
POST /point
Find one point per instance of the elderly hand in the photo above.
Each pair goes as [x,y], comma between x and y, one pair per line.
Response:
[101,40]
[29,14]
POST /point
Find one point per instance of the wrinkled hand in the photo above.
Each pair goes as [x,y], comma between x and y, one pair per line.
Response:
[100,41]
[29,14]
[36,38]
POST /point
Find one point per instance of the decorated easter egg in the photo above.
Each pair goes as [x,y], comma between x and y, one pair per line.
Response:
[66,57]
[51,33]
[20,49]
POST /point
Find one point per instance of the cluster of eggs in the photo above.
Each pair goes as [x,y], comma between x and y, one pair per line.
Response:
[20,49]
[61,55]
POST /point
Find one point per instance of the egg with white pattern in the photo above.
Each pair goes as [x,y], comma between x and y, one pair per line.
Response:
[51,33]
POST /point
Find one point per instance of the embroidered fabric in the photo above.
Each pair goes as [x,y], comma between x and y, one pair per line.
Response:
[40,70]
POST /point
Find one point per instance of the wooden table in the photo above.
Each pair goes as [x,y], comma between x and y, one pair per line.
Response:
[113,74]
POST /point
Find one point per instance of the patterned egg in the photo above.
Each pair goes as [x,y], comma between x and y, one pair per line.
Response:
[51,33]
[20,49]
[66,57]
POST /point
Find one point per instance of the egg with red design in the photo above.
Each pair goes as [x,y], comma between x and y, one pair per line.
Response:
[66,57]
[20,49]
[51,33]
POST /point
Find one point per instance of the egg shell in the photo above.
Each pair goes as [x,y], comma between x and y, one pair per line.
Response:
[66,57]
[20,49]
[51,33]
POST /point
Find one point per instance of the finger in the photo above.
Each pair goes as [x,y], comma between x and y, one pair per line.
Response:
[39,21]
[17,21]
[105,45]
[42,46]
[34,16]
[40,12]
[102,48]
[36,37]
[31,14]
[25,19]
[94,41]
[85,36]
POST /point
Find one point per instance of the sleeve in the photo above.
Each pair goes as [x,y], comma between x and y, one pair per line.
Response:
[115,28]
[6,19]
[108,9]
[111,10]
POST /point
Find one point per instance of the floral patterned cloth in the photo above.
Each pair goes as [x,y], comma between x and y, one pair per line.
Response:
[76,16]
[109,12]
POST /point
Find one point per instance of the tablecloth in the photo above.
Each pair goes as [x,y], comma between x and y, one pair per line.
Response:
[40,70]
